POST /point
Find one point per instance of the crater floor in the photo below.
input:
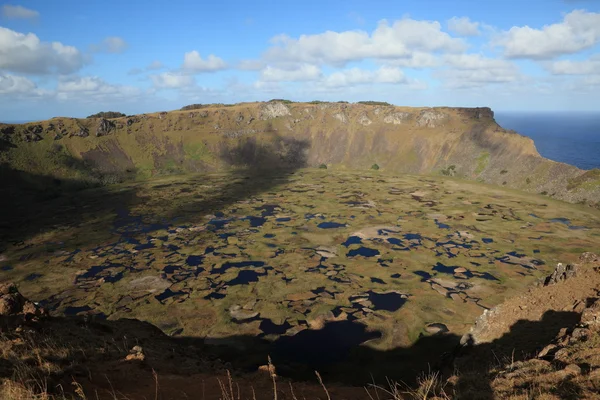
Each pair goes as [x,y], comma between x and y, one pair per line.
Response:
[216,256]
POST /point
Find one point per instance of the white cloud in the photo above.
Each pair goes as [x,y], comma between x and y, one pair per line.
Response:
[20,12]
[463,26]
[25,53]
[171,80]
[357,76]
[111,44]
[475,70]
[154,65]
[93,88]
[10,84]
[192,61]
[305,72]
[387,41]
[569,67]
[578,31]
[416,60]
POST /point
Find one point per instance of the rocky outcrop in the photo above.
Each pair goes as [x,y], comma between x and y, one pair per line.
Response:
[274,110]
[105,127]
[12,303]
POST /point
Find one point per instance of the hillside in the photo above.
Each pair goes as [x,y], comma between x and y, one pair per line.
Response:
[460,142]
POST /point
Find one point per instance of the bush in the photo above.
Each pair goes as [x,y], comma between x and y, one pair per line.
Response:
[374,103]
[192,107]
[449,171]
[316,102]
[107,114]
[322,166]
[503,172]
[528,181]
[284,101]
[375,167]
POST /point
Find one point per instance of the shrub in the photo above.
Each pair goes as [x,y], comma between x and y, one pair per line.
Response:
[449,171]
[316,102]
[192,107]
[107,114]
[503,172]
[322,166]
[528,181]
[280,101]
[374,103]
[375,167]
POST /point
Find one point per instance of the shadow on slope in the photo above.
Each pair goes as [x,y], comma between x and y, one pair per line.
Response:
[95,350]
[34,204]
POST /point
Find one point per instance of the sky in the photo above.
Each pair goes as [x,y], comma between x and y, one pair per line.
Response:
[75,58]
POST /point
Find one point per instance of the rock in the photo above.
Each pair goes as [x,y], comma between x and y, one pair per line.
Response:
[397,118]
[547,350]
[460,270]
[364,120]
[579,334]
[572,370]
[590,316]
[431,118]
[320,320]
[588,257]
[13,303]
[105,126]
[268,369]
[327,252]
[83,132]
[341,117]
[561,273]
[436,328]
[136,354]
[273,110]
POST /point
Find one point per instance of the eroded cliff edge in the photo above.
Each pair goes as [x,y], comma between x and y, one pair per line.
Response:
[461,142]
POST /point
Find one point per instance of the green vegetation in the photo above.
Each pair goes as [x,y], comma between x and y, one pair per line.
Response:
[322,166]
[374,103]
[449,171]
[375,167]
[528,180]
[482,162]
[588,179]
[284,101]
[503,172]
[107,114]
[193,107]
[316,102]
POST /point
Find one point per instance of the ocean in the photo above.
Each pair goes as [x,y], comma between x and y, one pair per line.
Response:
[572,138]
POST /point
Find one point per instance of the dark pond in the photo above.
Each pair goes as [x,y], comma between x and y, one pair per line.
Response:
[245,277]
[219,223]
[363,251]
[255,221]
[330,225]
[441,225]
[377,280]
[352,240]
[269,236]
[317,348]
[487,240]
[423,274]
[386,301]
[6,268]
[283,219]
[395,241]
[270,328]
[194,261]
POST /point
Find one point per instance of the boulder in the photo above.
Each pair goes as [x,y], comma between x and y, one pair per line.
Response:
[105,126]
[239,314]
[13,303]
[436,328]
[590,316]
[561,272]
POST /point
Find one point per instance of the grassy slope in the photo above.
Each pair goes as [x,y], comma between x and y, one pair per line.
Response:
[398,139]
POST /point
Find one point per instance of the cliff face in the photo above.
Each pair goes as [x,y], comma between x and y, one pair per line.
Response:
[462,142]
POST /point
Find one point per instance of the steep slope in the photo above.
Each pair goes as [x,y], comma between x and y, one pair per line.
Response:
[451,141]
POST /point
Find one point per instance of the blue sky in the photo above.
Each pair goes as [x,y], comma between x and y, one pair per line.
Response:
[75,58]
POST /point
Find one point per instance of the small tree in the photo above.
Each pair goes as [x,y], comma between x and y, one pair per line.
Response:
[322,166]
[375,167]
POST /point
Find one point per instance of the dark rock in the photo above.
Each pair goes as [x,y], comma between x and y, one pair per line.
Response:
[83,132]
[561,272]
[105,127]
[7,130]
